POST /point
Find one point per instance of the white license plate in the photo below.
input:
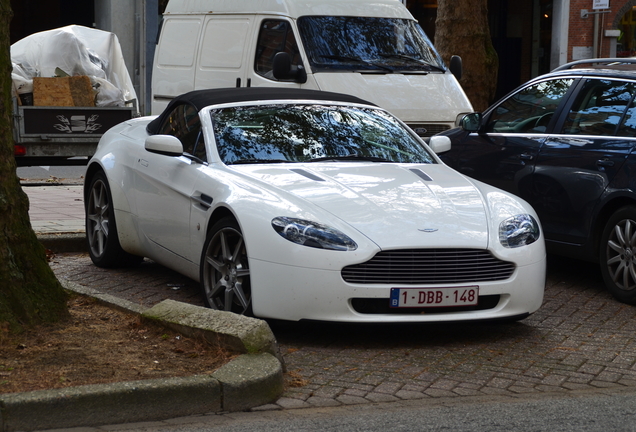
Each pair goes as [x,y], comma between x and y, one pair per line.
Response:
[434,297]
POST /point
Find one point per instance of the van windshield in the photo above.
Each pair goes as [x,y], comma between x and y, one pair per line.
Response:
[366,43]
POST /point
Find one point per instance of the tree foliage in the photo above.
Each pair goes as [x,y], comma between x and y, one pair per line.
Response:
[462,29]
[29,291]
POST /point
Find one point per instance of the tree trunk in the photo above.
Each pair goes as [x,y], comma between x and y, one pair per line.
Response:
[29,291]
[462,29]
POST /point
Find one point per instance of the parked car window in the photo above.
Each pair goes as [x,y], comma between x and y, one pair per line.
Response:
[530,110]
[275,36]
[601,108]
[628,126]
[185,124]
[299,133]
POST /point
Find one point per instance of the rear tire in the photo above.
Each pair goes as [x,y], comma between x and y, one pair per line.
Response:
[101,229]
[618,255]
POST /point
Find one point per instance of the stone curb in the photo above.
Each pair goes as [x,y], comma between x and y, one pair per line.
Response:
[248,381]
[64,242]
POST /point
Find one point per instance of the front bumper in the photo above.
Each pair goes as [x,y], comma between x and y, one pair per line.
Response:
[295,293]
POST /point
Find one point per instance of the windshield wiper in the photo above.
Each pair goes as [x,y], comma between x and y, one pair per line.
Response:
[257,161]
[357,59]
[351,157]
[413,59]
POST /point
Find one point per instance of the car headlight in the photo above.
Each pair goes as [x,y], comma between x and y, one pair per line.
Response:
[312,234]
[519,230]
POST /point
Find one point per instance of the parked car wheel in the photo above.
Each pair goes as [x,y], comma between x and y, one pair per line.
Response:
[101,230]
[225,273]
[618,255]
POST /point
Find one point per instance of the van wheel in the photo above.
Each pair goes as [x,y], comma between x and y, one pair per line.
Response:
[101,229]
[225,272]
[618,255]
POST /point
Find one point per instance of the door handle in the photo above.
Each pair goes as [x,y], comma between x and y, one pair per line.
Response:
[604,163]
[526,156]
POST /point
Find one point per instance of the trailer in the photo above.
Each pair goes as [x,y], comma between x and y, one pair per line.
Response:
[70,85]
[62,135]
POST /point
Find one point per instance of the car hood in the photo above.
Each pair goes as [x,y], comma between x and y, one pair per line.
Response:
[393,205]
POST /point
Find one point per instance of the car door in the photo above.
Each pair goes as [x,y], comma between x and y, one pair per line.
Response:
[575,166]
[504,151]
[165,185]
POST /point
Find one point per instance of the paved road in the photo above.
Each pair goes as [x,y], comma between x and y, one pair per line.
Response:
[581,339]
[583,412]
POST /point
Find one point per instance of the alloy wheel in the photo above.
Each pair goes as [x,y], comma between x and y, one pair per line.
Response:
[226,274]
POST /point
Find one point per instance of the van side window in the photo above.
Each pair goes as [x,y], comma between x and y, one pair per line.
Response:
[275,36]
[184,123]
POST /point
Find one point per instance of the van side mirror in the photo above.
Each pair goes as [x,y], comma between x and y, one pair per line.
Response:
[282,69]
[456,66]
[471,122]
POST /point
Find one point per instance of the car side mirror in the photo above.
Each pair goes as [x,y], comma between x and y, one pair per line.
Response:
[471,122]
[167,145]
[439,143]
[456,67]
[282,69]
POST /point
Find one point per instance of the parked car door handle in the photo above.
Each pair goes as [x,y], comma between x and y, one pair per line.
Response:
[526,156]
[605,163]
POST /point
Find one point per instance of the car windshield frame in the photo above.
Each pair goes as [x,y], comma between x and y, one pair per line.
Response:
[313,132]
[384,45]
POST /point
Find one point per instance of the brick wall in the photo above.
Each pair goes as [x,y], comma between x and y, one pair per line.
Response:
[581,31]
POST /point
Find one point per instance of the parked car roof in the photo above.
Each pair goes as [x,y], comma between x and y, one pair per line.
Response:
[201,98]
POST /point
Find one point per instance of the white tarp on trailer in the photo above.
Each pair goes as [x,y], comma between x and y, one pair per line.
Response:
[76,50]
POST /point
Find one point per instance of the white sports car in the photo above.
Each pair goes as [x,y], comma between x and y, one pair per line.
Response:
[298,204]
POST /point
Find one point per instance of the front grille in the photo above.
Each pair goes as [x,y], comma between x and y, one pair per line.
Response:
[429,266]
[426,130]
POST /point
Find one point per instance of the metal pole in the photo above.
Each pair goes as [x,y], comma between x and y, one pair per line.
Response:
[595,52]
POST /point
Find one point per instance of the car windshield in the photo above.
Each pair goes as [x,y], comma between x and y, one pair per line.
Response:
[367,43]
[306,133]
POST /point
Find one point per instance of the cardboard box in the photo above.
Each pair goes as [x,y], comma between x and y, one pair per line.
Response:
[63,91]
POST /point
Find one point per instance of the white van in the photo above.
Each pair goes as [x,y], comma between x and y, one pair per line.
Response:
[374,50]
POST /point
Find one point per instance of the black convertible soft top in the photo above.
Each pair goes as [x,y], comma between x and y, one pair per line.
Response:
[201,98]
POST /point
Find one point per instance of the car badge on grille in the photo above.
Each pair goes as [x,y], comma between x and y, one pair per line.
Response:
[428,230]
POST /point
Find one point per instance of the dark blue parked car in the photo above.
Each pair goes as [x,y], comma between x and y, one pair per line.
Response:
[565,142]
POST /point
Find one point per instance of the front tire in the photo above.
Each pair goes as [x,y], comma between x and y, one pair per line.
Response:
[618,255]
[225,273]
[101,229]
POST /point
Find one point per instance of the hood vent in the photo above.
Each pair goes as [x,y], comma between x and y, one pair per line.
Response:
[421,174]
[307,174]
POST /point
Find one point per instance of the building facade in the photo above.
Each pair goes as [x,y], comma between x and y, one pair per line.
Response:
[531,37]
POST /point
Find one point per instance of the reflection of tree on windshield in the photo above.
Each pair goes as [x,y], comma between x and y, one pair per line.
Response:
[350,43]
[301,133]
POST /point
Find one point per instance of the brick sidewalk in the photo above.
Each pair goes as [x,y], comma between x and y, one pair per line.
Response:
[580,339]
[56,209]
